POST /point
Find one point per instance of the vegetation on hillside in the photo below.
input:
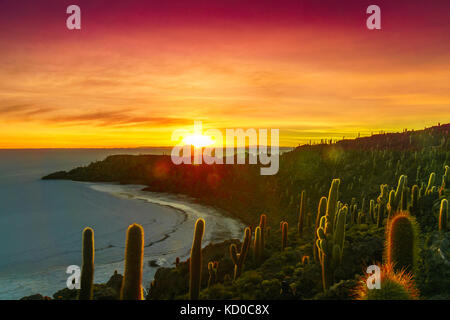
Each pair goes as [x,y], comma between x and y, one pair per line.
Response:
[332,210]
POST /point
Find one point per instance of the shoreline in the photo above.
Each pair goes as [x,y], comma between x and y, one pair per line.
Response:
[172,237]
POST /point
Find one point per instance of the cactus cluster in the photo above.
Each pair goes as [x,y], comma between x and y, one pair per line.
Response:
[238,258]
[331,236]
[321,211]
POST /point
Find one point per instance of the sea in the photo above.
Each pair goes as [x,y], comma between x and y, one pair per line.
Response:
[41,221]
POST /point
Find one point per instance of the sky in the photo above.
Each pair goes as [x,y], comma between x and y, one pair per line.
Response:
[138,70]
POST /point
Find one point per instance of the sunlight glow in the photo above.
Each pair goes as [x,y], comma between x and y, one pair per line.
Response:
[198,140]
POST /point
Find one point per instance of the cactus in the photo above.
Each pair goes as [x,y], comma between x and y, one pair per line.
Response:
[404,199]
[382,200]
[87,271]
[446,178]
[443,215]
[262,225]
[361,217]
[414,198]
[402,242]
[371,213]
[394,286]
[301,212]
[331,237]
[212,270]
[284,235]
[257,245]
[332,203]
[321,211]
[134,254]
[305,260]
[195,267]
[398,194]
[391,206]
[239,258]
[430,185]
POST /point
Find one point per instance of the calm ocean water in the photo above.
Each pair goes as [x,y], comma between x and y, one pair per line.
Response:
[41,221]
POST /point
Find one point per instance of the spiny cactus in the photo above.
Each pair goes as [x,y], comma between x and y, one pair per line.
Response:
[402,242]
[301,213]
[257,245]
[321,211]
[394,286]
[284,235]
[331,237]
[195,267]
[134,254]
[443,215]
[87,271]
[238,258]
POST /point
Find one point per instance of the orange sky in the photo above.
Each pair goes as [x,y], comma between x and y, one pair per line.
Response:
[135,73]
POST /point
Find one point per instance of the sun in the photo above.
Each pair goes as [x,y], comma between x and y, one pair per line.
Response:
[198,140]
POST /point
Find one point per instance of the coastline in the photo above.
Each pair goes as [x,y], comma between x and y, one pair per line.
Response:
[168,235]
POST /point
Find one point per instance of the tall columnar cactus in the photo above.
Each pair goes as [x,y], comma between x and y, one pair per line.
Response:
[371,213]
[331,246]
[404,200]
[239,257]
[301,213]
[332,203]
[391,204]
[284,235]
[262,225]
[431,181]
[331,236]
[87,271]
[443,215]
[414,198]
[257,245]
[195,264]
[321,211]
[134,254]
[382,200]
[446,178]
[398,194]
[402,242]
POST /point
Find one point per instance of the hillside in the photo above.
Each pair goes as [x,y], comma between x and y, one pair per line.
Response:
[327,245]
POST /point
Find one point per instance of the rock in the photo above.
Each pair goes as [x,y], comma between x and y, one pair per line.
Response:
[153,263]
[36,296]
